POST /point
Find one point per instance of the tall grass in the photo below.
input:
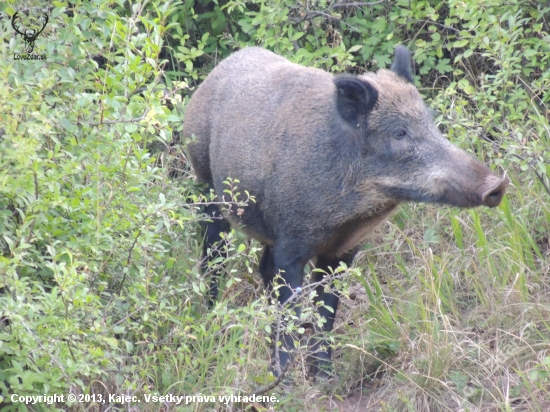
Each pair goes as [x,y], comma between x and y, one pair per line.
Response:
[469,313]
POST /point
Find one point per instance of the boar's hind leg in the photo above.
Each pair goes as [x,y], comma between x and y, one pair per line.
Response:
[212,243]
[320,350]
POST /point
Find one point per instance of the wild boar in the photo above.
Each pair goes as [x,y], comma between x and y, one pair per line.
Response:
[326,157]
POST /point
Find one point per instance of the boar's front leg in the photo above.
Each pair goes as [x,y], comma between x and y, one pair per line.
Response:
[321,352]
[267,267]
[289,264]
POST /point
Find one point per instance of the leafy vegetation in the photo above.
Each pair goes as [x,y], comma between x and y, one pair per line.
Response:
[100,288]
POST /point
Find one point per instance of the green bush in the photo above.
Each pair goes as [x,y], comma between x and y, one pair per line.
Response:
[100,287]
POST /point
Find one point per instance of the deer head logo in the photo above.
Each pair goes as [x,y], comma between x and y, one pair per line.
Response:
[31,30]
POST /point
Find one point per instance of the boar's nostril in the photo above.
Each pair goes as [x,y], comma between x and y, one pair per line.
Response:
[494,195]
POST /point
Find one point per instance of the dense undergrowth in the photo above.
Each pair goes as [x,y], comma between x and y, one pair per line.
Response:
[100,291]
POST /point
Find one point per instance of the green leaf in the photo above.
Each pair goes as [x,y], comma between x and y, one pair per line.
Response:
[130,128]
[460,43]
[17,367]
[464,85]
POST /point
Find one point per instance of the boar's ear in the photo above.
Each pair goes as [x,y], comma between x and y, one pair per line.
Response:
[355,98]
[402,63]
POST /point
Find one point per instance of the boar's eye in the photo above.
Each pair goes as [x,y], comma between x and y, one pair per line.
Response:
[399,133]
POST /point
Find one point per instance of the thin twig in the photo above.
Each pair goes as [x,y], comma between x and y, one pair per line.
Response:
[276,382]
[329,278]
[138,119]
[243,203]
[443,26]
[128,261]
[373,3]
[541,178]
[36,197]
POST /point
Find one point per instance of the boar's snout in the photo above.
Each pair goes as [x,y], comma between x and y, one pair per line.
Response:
[494,190]
[463,181]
